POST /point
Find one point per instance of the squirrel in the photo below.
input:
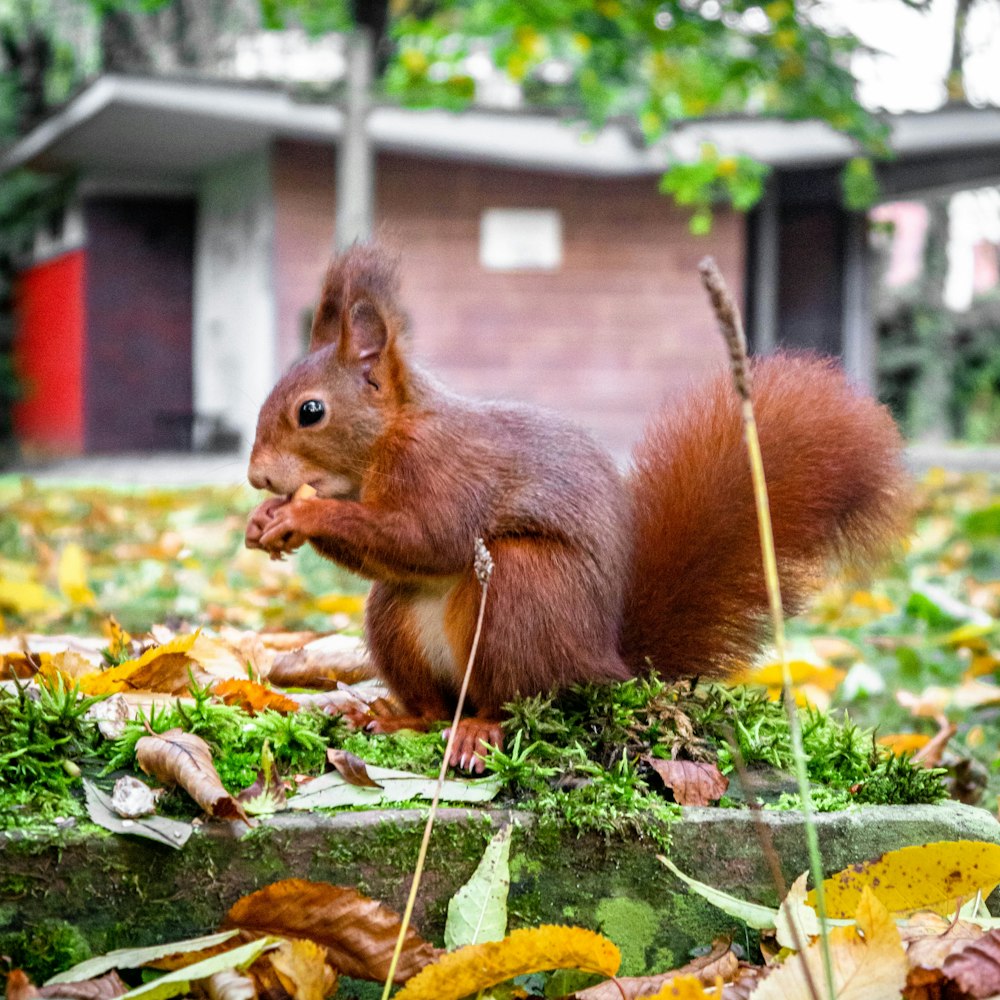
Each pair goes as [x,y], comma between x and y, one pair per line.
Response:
[599,575]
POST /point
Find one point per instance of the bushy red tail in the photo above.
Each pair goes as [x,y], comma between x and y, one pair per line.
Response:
[838,493]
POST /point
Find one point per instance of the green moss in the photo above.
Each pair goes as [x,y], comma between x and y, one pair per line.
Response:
[45,948]
[632,925]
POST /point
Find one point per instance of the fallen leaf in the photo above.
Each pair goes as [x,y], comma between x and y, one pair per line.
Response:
[930,754]
[872,967]
[976,968]
[931,951]
[252,697]
[171,832]
[753,914]
[477,967]
[720,962]
[179,758]
[926,877]
[798,922]
[693,783]
[478,911]
[900,743]
[267,794]
[331,790]
[107,987]
[302,969]
[24,597]
[323,663]
[137,958]
[682,988]
[175,983]
[166,668]
[351,768]
[358,933]
[72,576]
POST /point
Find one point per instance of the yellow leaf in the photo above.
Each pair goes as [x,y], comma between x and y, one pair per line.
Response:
[118,638]
[872,967]
[480,966]
[927,877]
[72,575]
[683,988]
[340,604]
[24,597]
[900,743]
[301,967]
[169,662]
[824,677]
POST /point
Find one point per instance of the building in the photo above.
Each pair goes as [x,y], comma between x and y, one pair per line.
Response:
[538,262]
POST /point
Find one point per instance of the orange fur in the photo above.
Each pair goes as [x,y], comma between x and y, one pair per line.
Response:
[597,576]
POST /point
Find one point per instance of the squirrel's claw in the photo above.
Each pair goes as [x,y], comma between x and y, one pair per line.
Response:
[473,740]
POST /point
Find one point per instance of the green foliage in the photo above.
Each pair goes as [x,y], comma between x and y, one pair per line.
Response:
[405,751]
[47,947]
[43,734]
[859,184]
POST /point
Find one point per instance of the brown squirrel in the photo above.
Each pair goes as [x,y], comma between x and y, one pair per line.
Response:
[599,576]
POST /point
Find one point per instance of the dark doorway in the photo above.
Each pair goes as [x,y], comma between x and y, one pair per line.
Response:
[139,281]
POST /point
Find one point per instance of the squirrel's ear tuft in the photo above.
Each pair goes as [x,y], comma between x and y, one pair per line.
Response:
[359,291]
[363,336]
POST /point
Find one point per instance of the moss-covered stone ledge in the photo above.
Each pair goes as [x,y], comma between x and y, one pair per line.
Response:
[110,891]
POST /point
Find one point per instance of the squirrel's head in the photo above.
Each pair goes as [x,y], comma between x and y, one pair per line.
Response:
[321,420]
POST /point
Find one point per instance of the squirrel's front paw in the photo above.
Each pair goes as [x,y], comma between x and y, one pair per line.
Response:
[290,527]
[259,519]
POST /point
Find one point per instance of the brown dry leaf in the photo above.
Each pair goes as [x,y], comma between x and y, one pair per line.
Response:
[18,666]
[302,969]
[230,655]
[926,877]
[253,697]
[930,754]
[358,933]
[286,642]
[693,783]
[267,794]
[323,663]
[870,968]
[105,987]
[179,758]
[477,967]
[720,962]
[351,768]
[930,952]
[925,984]
[976,968]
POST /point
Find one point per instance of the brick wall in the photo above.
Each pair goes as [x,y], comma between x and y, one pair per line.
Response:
[621,326]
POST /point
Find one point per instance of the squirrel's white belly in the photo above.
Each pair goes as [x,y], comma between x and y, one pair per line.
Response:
[427,613]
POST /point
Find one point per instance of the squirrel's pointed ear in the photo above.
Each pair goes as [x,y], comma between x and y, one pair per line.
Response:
[364,334]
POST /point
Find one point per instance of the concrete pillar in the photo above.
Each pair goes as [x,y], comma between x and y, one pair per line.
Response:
[356,154]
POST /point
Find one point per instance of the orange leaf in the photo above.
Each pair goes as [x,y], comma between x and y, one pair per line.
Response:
[253,697]
[479,966]
[358,933]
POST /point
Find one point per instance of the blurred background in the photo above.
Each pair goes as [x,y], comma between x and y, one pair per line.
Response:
[177,173]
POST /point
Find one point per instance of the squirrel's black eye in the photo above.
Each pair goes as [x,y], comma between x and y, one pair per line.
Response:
[311,412]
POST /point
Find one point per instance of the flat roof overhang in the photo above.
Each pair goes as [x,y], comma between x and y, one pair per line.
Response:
[176,128]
